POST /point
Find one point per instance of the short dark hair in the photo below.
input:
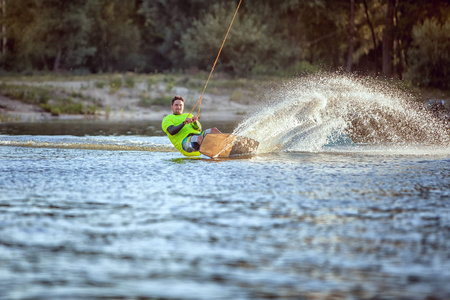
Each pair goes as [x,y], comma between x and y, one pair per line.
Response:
[177,98]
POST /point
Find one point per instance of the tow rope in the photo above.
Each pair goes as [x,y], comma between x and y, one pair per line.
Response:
[199,102]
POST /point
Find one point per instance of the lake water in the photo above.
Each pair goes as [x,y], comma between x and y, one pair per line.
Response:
[120,215]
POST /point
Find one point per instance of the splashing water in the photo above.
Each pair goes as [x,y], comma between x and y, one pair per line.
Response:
[308,113]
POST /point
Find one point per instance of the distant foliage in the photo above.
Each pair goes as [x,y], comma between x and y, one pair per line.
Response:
[246,48]
[270,37]
[430,54]
[47,34]
[115,36]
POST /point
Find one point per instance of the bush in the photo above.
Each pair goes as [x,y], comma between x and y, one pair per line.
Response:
[170,83]
[429,56]
[25,93]
[302,68]
[165,101]
[115,84]
[99,84]
[71,108]
[129,82]
[55,111]
[237,96]
[53,101]
[147,101]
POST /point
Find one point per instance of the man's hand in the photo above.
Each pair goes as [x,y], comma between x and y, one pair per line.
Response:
[189,120]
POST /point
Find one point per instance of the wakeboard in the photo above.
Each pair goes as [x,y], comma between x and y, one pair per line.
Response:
[226,145]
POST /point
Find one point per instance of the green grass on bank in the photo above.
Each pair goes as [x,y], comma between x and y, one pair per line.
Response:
[50,99]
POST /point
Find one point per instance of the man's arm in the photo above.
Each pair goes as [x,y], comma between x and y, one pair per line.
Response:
[172,129]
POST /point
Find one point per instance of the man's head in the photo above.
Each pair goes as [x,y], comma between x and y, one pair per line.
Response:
[177,105]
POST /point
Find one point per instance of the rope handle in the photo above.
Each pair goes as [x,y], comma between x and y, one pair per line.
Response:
[199,102]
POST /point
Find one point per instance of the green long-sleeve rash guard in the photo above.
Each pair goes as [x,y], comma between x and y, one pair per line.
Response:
[176,130]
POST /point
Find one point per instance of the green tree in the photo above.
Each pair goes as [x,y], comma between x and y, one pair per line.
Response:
[48,34]
[269,36]
[115,36]
[388,39]
[251,42]
[430,54]
[409,14]
[166,22]
[316,30]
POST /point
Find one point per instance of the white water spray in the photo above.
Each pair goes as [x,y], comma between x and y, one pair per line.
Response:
[308,113]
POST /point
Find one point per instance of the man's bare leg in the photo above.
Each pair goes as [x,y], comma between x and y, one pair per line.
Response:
[215,130]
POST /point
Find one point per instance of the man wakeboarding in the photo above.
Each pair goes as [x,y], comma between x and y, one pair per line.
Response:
[184,130]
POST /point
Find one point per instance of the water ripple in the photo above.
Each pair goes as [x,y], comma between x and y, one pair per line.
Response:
[77,223]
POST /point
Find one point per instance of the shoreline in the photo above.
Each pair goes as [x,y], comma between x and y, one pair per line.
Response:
[25,113]
[119,104]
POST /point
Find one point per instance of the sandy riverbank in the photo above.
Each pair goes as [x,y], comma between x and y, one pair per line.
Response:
[123,104]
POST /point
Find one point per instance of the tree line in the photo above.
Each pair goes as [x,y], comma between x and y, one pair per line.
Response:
[392,38]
